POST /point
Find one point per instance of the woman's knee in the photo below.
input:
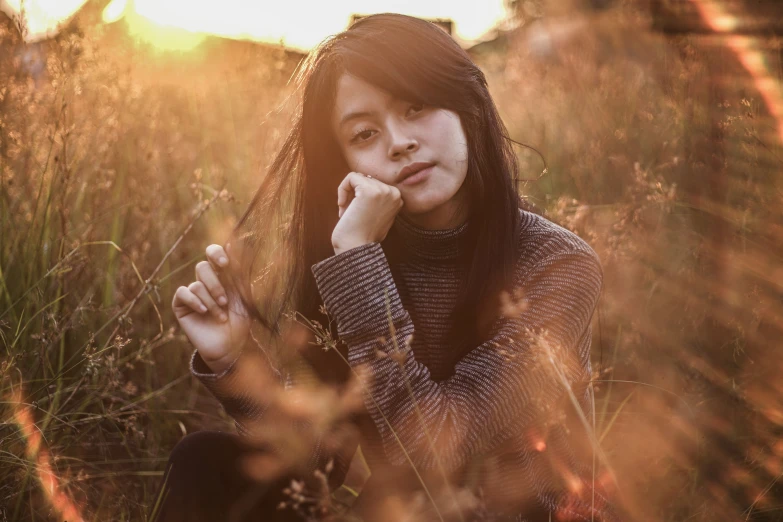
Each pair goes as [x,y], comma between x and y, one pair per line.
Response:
[201,478]
[203,446]
[204,481]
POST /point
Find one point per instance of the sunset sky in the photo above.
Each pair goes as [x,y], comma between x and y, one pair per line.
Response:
[300,23]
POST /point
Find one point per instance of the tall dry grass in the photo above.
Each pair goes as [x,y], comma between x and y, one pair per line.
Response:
[118,168]
[119,164]
[663,155]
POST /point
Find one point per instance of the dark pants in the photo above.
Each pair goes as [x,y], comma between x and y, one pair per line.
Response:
[203,483]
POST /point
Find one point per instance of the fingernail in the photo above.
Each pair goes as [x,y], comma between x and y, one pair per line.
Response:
[223,261]
[222,300]
[202,308]
[223,318]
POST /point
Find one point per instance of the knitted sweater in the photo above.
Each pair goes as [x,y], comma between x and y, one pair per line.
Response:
[496,417]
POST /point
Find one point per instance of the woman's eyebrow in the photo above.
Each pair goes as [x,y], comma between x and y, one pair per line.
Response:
[355,115]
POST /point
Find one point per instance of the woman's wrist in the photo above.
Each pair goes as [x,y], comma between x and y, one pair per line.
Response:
[339,248]
[219,366]
[224,362]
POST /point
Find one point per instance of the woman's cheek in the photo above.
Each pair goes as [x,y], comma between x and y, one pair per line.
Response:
[359,162]
[367,165]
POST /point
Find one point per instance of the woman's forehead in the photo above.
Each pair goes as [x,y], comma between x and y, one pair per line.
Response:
[355,97]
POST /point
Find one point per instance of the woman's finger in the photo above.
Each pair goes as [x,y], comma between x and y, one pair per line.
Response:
[347,189]
[217,256]
[198,288]
[206,274]
[185,299]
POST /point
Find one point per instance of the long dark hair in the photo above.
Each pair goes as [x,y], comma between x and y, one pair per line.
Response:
[288,225]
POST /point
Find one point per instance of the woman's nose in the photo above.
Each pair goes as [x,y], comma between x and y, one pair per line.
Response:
[402,144]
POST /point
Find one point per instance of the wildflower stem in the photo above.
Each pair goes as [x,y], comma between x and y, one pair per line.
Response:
[385,419]
[420,416]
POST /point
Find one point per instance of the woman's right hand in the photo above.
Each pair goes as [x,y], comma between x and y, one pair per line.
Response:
[216,323]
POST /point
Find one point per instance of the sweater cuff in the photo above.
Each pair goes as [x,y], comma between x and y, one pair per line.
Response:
[352,286]
[231,387]
[204,373]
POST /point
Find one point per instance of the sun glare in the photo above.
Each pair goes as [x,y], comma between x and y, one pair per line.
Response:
[147,29]
[115,10]
[42,16]
[300,24]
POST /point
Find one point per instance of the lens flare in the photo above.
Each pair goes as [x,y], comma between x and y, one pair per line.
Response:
[39,457]
[114,11]
[752,59]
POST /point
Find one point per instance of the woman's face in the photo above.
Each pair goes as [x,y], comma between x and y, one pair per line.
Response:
[379,135]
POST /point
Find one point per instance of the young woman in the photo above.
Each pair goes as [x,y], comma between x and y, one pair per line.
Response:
[394,200]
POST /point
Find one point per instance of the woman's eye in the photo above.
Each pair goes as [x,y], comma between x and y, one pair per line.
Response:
[418,107]
[357,134]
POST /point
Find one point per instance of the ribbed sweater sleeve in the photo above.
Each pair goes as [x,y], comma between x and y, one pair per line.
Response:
[503,385]
[242,404]
[236,397]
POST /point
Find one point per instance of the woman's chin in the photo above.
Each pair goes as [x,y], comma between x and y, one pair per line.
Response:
[417,205]
[412,210]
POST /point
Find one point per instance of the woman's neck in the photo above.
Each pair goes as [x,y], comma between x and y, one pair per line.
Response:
[440,244]
[447,216]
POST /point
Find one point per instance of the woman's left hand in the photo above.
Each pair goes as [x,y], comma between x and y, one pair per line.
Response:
[368,216]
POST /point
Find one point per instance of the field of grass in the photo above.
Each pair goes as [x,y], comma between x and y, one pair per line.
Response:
[119,164]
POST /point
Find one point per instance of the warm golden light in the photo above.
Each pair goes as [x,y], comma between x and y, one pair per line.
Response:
[162,36]
[298,24]
[114,11]
[751,57]
[42,16]
[40,462]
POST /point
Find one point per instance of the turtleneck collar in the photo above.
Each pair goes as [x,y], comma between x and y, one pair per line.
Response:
[431,245]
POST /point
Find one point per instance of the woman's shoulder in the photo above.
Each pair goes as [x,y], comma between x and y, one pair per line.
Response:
[540,239]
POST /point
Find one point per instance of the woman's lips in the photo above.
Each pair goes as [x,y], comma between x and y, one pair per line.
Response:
[418,177]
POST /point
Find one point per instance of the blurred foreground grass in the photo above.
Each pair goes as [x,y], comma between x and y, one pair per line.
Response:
[118,165]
